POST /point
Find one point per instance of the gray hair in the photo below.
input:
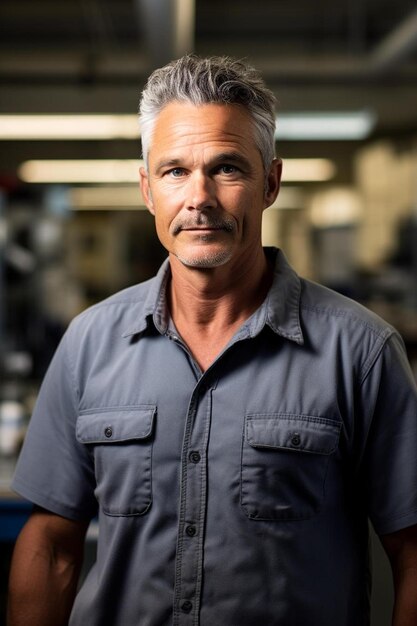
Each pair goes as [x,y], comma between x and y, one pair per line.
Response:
[212,80]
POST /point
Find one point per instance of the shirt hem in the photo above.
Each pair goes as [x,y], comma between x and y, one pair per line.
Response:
[395,524]
[33,496]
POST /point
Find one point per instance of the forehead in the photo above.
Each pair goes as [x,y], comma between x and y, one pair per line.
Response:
[185,126]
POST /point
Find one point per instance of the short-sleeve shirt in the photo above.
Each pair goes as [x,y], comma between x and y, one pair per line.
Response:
[236,496]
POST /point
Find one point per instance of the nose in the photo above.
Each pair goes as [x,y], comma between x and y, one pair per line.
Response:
[201,192]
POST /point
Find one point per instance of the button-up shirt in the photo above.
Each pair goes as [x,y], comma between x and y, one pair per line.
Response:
[238,496]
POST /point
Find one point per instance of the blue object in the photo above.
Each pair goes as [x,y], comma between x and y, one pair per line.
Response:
[13,516]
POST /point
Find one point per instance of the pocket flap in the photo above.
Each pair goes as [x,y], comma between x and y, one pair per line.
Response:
[304,433]
[115,425]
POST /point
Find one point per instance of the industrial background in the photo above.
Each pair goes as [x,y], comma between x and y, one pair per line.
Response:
[72,224]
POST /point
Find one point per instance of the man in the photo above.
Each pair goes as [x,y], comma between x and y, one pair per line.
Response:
[233,425]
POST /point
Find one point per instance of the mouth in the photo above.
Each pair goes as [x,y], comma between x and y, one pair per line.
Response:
[202,228]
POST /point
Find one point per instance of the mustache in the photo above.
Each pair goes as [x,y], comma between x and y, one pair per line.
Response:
[204,221]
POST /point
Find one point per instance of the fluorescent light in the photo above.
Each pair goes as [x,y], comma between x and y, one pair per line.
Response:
[348,125]
[66,126]
[321,126]
[126,171]
[338,206]
[80,171]
[307,170]
[108,197]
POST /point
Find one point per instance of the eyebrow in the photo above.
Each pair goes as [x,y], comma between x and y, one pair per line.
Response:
[232,157]
[163,163]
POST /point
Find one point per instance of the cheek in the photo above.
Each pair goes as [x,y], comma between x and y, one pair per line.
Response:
[247,207]
[243,195]
[162,225]
[166,202]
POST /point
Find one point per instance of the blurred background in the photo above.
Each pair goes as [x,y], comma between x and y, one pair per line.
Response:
[73,228]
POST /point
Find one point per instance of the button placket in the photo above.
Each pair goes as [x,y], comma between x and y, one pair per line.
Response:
[192,511]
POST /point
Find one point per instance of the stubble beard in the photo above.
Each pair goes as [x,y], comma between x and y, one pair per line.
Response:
[206,260]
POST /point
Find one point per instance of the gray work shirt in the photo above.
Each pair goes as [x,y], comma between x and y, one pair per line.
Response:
[238,496]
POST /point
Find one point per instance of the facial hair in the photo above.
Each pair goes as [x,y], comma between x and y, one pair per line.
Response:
[203,220]
[205,258]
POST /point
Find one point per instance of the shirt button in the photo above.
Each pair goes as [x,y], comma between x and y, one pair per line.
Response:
[191,531]
[296,439]
[195,457]
[186,606]
[108,432]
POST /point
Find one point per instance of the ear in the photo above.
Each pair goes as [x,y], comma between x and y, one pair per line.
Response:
[273,183]
[145,189]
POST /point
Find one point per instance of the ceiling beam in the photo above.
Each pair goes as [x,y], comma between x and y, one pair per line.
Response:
[397,45]
[168,27]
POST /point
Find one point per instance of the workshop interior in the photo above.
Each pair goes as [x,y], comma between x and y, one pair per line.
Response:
[73,225]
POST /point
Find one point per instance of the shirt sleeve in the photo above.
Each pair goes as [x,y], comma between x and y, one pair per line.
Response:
[54,470]
[389,464]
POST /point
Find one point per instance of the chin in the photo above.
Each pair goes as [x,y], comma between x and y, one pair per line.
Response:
[207,260]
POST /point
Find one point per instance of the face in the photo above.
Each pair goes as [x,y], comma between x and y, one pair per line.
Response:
[205,184]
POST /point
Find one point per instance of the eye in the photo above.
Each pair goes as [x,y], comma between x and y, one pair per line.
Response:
[176,172]
[227,169]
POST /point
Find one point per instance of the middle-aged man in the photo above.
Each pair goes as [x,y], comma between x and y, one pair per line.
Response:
[233,425]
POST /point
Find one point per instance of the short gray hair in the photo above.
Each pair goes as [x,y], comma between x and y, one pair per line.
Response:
[212,80]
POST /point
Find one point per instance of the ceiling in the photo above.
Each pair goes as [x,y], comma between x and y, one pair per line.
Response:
[80,56]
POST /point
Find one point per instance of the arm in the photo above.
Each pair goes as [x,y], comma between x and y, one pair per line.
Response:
[401,548]
[45,568]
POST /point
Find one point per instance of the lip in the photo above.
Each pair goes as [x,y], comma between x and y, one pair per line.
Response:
[202,231]
[202,228]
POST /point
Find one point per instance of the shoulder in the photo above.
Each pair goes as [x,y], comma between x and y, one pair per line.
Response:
[116,314]
[334,324]
[322,314]
[322,305]
[131,296]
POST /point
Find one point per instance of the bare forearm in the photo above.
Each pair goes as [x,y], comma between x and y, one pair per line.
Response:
[405,608]
[42,588]
[43,579]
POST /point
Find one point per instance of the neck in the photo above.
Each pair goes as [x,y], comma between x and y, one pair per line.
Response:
[218,296]
[208,306]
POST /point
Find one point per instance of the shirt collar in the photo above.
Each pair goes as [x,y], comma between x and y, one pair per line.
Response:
[282,305]
[280,310]
[154,307]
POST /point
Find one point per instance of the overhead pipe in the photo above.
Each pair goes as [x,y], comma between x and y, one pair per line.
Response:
[397,45]
[168,26]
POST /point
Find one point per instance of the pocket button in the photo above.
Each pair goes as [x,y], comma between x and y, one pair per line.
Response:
[108,432]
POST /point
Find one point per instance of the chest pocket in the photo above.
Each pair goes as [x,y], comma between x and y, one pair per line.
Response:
[121,441]
[284,465]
